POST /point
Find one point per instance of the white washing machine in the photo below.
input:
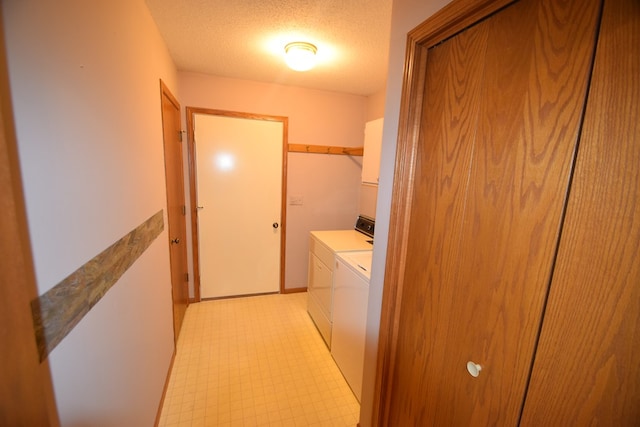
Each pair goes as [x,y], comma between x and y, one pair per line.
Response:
[323,247]
[350,300]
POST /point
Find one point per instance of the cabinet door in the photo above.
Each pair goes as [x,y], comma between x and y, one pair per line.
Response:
[587,367]
[502,107]
[321,284]
[372,148]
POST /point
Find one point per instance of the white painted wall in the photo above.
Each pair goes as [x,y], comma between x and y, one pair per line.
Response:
[375,104]
[406,15]
[328,184]
[85,83]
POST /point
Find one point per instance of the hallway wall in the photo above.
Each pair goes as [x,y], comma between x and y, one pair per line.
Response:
[85,84]
[406,15]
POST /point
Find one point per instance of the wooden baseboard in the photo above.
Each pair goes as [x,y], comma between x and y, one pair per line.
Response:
[164,391]
[294,290]
[285,291]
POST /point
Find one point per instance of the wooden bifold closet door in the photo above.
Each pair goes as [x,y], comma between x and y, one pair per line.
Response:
[587,365]
[484,173]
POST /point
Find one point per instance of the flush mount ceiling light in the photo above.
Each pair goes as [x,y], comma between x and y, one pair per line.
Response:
[300,56]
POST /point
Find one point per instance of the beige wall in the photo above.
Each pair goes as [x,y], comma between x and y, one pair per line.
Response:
[85,83]
[375,105]
[328,184]
[406,15]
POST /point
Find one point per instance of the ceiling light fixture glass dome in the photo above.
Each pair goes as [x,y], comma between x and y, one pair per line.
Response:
[300,56]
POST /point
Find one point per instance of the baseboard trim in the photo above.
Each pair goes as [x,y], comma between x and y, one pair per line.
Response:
[164,390]
[294,290]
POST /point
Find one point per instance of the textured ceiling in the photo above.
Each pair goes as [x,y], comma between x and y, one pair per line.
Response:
[245,39]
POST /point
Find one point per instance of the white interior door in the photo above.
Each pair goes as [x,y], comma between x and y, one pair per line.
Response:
[239,193]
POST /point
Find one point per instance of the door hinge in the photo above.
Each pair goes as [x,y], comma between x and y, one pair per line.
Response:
[186,277]
[180,135]
[184,210]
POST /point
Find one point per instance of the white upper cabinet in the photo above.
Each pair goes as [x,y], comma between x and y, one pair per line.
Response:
[372,148]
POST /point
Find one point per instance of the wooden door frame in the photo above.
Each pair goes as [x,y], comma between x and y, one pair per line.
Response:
[26,387]
[450,20]
[191,112]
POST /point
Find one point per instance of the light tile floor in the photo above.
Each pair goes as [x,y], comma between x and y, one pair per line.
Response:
[255,361]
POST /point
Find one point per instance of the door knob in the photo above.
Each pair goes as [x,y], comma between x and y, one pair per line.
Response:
[276,225]
[473,369]
[175,241]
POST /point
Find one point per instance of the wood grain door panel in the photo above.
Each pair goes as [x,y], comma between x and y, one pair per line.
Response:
[176,218]
[587,367]
[441,179]
[528,130]
[501,117]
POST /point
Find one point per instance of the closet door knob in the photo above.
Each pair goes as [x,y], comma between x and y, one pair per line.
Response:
[474,369]
[175,241]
